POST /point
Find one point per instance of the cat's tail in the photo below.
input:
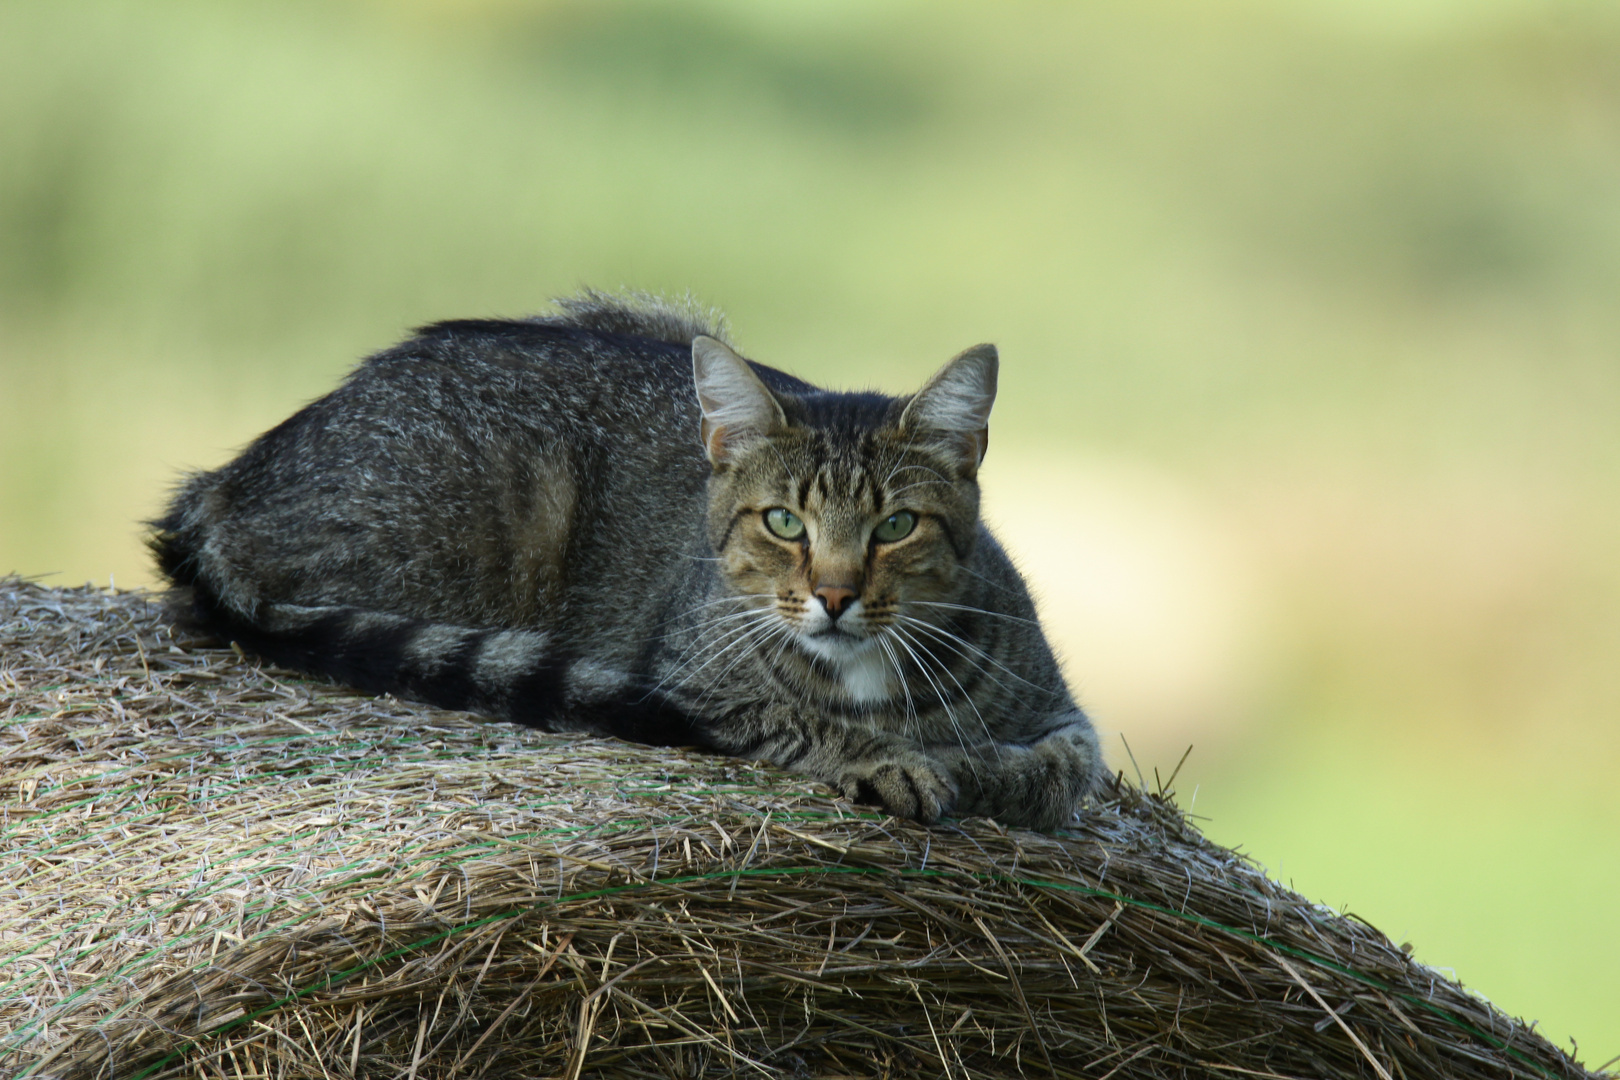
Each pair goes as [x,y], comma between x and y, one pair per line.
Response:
[508,674]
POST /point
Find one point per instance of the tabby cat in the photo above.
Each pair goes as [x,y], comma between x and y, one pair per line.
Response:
[540,520]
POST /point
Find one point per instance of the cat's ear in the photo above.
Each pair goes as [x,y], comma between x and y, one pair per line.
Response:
[954,405]
[737,407]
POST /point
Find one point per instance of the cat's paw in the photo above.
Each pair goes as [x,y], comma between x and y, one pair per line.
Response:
[910,785]
[1035,787]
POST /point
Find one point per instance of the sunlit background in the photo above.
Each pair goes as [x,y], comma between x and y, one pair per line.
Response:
[1309,435]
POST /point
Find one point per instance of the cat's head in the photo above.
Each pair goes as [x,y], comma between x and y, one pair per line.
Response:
[844,515]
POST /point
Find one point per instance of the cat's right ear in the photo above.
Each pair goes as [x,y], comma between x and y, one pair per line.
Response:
[737,408]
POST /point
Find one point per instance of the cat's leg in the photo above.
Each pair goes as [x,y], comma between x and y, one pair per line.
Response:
[865,764]
[1038,784]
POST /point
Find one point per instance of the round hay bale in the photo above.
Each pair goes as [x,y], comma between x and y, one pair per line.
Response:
[216,870]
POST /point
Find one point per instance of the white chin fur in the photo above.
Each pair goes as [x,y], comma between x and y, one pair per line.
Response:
[862,667]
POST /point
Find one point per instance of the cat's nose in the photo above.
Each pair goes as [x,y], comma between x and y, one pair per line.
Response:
[834,598]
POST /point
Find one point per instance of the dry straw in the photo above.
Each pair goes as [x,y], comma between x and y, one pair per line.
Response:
[214,870]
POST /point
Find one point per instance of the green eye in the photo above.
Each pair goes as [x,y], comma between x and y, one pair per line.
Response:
[784,523]
[896,526]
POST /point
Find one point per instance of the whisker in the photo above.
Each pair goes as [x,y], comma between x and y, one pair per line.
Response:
[976,611]
[907,466]
[910,718]
[744,644]
[894,660]
[999,586]
[685,612]
[959,643]
[787,639]
[945,668]
[956,726]
[755,645]
[717,620]
[703,632]
[684,667]
[915,484]
[718,601]
[730,598]
[792,479]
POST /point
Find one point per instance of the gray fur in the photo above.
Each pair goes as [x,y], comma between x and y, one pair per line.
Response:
[523,518]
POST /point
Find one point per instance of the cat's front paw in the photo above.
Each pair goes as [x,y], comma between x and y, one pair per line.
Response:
[912,786]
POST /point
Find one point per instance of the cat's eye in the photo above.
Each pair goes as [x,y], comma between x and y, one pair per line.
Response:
[896,526]
[784,523]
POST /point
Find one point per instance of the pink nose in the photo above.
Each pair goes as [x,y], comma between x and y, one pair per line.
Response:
[834,597]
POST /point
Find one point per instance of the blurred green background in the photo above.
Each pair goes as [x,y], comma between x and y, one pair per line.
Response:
[1311,350]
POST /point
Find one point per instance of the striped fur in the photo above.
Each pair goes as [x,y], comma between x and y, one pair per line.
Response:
[540,521]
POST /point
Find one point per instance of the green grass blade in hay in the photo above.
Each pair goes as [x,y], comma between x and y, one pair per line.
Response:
[215,870]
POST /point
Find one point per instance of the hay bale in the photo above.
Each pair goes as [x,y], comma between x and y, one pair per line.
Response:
[217,870]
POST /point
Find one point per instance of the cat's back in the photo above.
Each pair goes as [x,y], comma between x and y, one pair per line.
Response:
[456,475]
[501,377]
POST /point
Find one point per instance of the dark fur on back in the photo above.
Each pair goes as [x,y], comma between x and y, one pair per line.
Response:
[545,520]
[678,322]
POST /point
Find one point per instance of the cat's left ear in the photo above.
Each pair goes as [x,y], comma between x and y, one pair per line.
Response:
[955,404]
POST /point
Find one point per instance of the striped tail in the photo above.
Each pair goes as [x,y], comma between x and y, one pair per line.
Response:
[516,675]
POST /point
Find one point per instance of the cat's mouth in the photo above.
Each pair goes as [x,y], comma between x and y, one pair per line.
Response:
[840,637]
[833,641]
[836,637]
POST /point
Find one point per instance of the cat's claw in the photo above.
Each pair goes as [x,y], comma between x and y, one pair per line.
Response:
[914,786]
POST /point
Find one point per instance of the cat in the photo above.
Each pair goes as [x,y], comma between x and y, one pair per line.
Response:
[607,520]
